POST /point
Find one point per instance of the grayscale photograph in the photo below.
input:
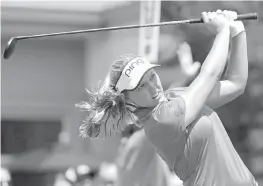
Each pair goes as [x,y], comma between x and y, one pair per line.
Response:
[131,93]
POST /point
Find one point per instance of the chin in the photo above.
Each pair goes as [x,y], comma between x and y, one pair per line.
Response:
[149,105]
[154,103]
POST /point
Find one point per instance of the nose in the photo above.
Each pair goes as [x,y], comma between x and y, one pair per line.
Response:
[152,88]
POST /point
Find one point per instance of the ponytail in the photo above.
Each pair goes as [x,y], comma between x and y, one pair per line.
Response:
[107,109]
[107,113]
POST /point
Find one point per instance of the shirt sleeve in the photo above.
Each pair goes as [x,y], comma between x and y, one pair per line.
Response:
[171,112]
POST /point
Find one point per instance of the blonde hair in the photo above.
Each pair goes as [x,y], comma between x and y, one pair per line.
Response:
[107,108]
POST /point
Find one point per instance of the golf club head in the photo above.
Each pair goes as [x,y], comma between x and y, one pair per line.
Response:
[9,49]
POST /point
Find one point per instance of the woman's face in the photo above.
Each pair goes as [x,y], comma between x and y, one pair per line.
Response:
[149,91]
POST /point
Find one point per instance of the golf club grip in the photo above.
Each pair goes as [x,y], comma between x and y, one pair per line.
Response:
[249,16]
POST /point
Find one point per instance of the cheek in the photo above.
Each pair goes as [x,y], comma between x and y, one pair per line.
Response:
[142,98]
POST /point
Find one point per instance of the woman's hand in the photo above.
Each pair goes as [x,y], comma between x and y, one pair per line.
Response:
[215,21]
[236,27]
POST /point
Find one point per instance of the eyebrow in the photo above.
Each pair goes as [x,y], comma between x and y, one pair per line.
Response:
[141,82]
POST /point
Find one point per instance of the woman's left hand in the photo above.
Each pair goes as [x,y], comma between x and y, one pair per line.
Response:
[236,27]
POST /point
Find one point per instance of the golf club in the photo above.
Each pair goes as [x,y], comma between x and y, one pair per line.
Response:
[12,42]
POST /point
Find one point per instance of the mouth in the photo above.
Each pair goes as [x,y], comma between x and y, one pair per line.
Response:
[154,97]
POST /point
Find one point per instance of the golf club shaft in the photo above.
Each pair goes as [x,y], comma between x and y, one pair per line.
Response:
[190,21]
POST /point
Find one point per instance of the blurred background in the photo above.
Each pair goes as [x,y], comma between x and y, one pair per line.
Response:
[44,79]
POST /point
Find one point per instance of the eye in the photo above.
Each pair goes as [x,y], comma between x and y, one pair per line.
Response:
[152,77]
[141,86]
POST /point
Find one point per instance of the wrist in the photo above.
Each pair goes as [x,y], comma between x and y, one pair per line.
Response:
[224,30]
[237,29]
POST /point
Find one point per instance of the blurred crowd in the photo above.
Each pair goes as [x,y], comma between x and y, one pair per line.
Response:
[81,175]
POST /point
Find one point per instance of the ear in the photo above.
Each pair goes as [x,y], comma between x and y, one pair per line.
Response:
[127,96]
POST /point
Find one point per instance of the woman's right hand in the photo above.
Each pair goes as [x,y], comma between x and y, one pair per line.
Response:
[215,21]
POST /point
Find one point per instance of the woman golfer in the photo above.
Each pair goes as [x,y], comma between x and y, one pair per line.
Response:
[137,160]
[181,125]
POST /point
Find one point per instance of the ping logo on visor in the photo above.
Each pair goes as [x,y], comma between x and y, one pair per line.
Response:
[131,66]
[132,73]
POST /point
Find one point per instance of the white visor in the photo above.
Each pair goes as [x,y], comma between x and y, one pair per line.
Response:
[133,73]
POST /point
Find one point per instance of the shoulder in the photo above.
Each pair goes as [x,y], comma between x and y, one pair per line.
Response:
[174,92]
[169,110]
[167,122]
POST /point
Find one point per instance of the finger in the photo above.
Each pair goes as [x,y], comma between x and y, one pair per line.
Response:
[225,13]
[205,17]
[219,11]
[212,15]
[234,15]
[228,15]
[231,15]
